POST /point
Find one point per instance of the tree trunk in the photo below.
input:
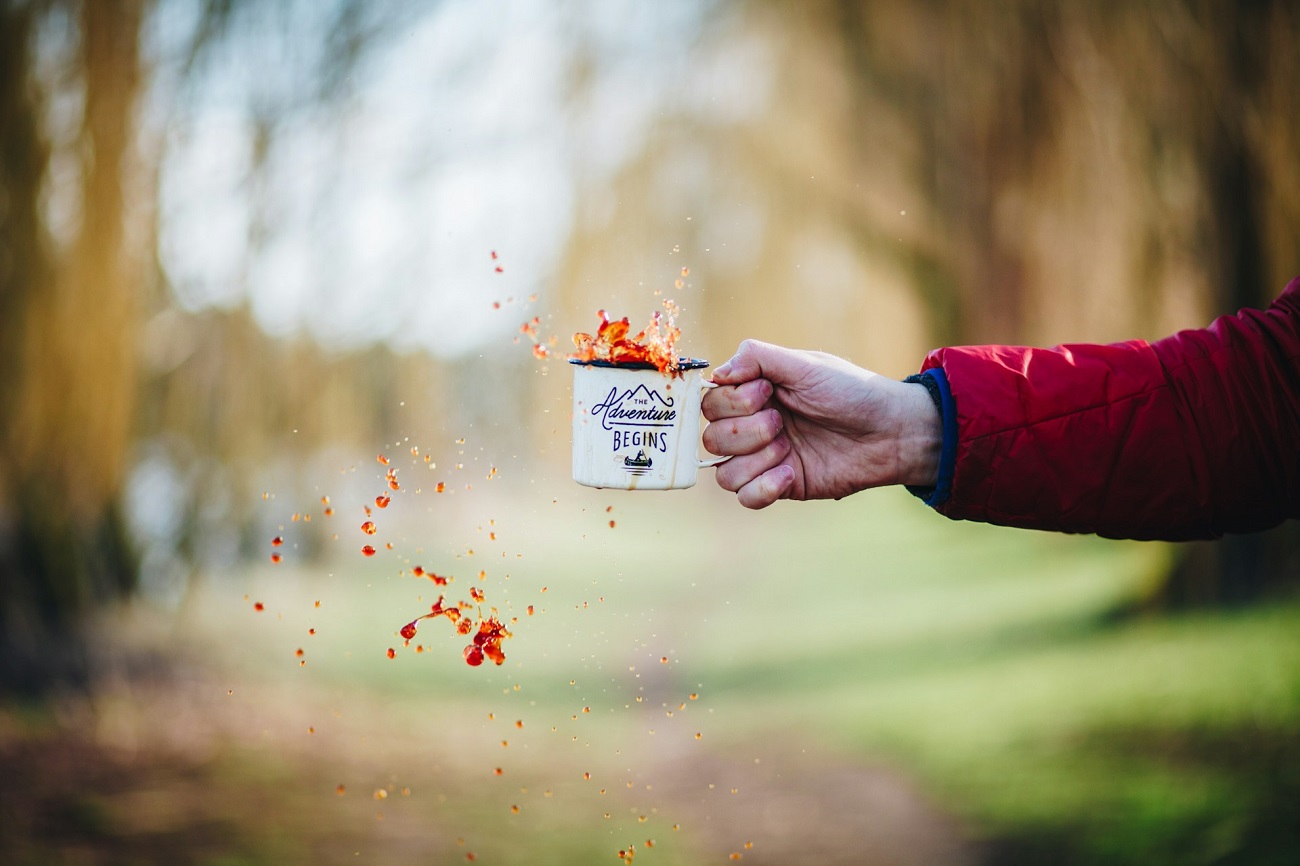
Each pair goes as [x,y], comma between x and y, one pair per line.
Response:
[1239,568]
[69,349]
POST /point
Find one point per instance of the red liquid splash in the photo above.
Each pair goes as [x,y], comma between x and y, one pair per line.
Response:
[655,344]
[488,632]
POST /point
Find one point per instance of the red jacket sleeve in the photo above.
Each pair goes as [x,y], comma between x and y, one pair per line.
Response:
[1190,437]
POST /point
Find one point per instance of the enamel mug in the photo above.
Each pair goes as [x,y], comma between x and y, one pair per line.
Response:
[635,428]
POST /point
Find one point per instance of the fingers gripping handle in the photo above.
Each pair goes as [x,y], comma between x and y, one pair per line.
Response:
[712,461]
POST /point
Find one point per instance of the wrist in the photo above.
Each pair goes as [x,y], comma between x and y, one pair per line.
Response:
[935,493]
[919,435]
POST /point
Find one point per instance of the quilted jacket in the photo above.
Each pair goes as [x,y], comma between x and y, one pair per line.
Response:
[1192,436]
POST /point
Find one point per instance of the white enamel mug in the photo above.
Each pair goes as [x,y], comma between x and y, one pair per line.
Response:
[635,428]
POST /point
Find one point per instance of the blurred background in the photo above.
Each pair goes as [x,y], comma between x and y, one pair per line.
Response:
[245,247]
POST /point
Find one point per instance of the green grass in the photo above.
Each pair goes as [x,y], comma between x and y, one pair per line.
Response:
[984,662]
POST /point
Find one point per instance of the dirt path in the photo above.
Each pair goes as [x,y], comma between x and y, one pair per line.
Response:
[812,811]
[165,771]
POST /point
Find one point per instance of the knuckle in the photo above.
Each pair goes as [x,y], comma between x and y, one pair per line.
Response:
[736,474]
[728,481]
[721,402]
[779,448]
[736,402]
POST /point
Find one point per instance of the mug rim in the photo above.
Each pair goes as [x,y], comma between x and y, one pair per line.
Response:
[682,364]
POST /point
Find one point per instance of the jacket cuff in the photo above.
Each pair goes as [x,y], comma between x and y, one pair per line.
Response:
[935,382]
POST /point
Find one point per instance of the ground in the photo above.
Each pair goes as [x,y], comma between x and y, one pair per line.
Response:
[857,682]
[164,771]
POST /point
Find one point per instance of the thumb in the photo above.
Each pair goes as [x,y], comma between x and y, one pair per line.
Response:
[758,360]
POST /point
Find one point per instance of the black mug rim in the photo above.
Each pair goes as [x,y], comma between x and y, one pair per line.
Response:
[682,364]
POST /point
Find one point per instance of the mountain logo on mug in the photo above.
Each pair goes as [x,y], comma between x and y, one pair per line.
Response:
[635,407]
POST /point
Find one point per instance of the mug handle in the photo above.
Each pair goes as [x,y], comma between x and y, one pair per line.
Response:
[705,385]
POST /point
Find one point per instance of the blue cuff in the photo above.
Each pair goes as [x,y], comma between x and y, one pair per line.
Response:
[943,401]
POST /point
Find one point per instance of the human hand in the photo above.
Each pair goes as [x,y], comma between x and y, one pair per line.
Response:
[808,425]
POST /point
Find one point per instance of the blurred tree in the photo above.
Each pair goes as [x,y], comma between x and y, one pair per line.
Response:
[1028,172]
[78,282]
[1250,119]
[69,317]
[1160,137]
